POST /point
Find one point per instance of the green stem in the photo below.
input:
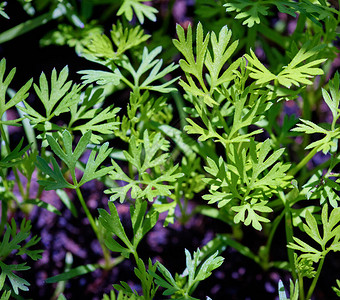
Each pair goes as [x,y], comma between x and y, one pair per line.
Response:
[4,208]
[87,212]
[315,280]
[301,288]
[289,234]
[303,162]
[127,82]
[94,227]
[276,223]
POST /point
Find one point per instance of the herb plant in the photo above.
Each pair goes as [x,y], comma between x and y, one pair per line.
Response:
[208,136]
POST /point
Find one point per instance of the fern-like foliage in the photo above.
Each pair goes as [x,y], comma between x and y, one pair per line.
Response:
[253,11]
[14,157]
[89,115]
[327,239]
[150,63]
[197,269]
[245,183]
[194,62]
[153,180]
[141,10]
[55,179]
[323,187]
[101,51]
[124,39]
[331,133]
[17,242]
[19,96]
[142,223]
[295,73]
[63,97]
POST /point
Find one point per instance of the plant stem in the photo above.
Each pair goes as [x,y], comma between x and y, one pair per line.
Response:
[4,208]
[303,162]
[276,223]
[15,172]
[315,280]
[301,288]
[289,233]
[94,227]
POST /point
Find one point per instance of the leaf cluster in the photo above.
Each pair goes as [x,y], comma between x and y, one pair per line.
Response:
[154,178]
[20,243]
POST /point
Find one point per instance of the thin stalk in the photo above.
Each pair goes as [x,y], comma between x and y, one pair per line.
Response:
[127,82]
[303,162]
[289,234]
[4,208]
[289,238]
[315,280]
[94,227]
[301,288]
[276,223]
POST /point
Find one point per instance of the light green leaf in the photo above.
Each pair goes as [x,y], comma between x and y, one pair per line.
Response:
[78,271]
[144,157]
[251,14]
[149,62]
[247,213]
[19,96]
[292,74]
[141,10]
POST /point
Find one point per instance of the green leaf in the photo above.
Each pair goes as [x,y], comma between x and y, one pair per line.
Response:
[71,158]
[142,223]
[251,15]
[3,13]
[321,187]
[149,62]
[144,157]
[68,156]
[16,282]
[93,117]
[111,222]
[78,271]
[55,178]
[100,77]
[127,38]
[327,143]
[328,240]
[196,271]
[44,205]
[5,295]
[15,156]
[56,98]
[141,10]
[221,54]
[294,291]
[20,242]
[93,163]
[292,74]
[19,96]
[333,99]
[337,289]
[247,213]
[194,62]
[7,246]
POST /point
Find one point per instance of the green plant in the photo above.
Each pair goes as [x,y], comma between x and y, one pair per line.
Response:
[228,155]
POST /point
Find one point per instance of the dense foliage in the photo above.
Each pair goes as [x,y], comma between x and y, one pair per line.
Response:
[242,130]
